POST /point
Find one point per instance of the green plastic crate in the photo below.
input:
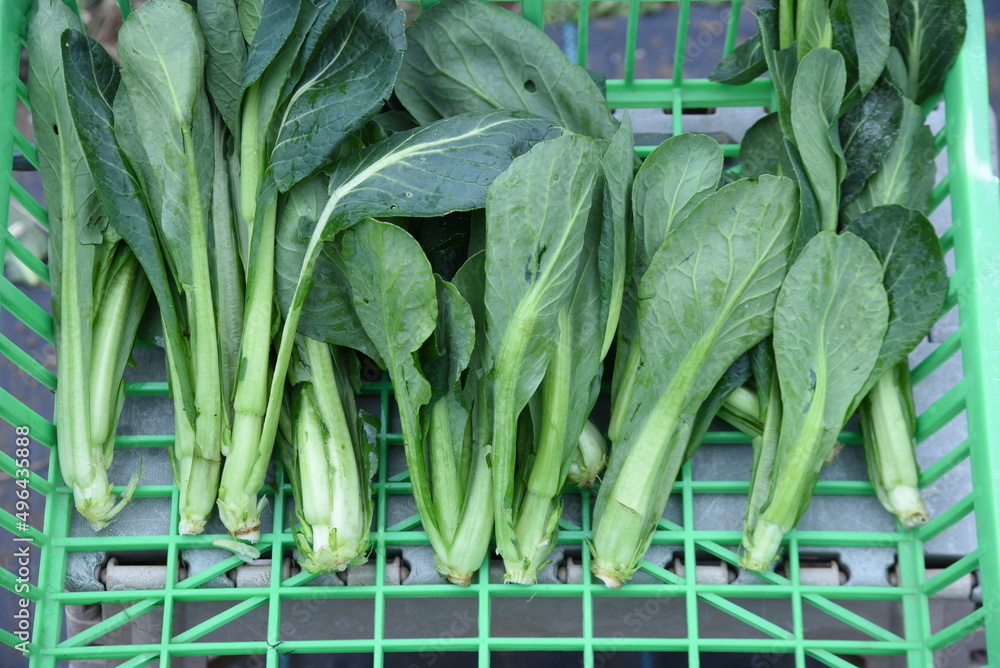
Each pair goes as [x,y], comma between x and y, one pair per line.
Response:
[917,638]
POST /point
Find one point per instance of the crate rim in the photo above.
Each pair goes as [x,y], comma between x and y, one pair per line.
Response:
[974,193]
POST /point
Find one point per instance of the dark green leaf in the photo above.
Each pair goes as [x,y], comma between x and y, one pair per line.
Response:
[343,86]
[676,177]
[915,278]
[809,218]
[227,56]
[277,23]
[743,64]
[907,172]
[431,170]
[816,100]
[467,55]
[861,35]
[929,35]
[760,152]
[867,133]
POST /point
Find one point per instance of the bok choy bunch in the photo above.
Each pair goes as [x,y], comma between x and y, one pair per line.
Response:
[313,74]
[150,140]
[330,451]
[723,253]
[99,292]
[427,335]
[855,144]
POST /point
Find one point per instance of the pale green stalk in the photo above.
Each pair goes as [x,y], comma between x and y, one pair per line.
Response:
[541,506]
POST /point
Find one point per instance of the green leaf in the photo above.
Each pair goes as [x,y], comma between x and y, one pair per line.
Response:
[464,154]
[813,30]
[532,263]
[227,56]
[531,260]
[914,275]
[393,292]
[328,312]
[929,35]
[760,151]
[344,85]
[60,155]
[446,353]
[809,216]
[867,133]
[829,322]
[743,64]
[470,280]
[673,180]
[92,79]
[617,165]
[467,55]
[249,16]
[162,56]
[816,98]
[724,264]
[746,229]
[907,172]
[277,21]
[861,35]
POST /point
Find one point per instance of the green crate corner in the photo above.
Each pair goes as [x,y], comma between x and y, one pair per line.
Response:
[974,287]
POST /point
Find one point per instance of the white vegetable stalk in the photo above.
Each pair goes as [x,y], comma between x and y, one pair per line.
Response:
[330,472]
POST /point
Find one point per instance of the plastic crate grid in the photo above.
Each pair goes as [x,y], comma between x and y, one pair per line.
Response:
[974,243]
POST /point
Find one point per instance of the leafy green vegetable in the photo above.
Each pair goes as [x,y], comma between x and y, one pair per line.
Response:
[426,334]
[907,173]
[555,180]
[724,263]
[315,74]
[163,122]
[760,151]
[929,35]
[449,70]
[867,133]
[861,35]
[829,321]
[743,64]
[227,56]
[916,280]
[464,153]
[675,177]
[815,105]
[331,453]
